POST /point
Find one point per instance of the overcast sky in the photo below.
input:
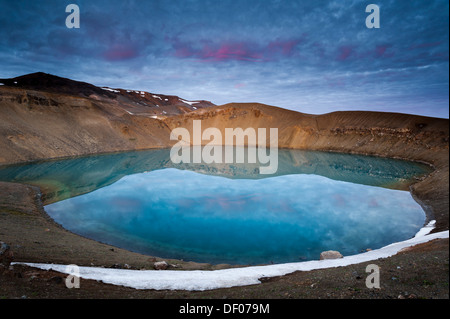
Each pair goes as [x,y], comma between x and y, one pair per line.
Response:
[310,56]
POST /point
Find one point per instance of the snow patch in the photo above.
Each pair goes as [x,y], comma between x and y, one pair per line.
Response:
[188,102]
[426,229]
[111,90]
[157,97]
[214,279]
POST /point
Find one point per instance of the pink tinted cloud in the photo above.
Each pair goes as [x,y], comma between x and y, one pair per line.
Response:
[235,51]
[344,53]
[230,51]
[183,52]
[120,53]
[381,51]
[425,45]
[283,47]
[226,51]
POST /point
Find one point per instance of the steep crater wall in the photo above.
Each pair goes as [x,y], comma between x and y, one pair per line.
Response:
[38,125]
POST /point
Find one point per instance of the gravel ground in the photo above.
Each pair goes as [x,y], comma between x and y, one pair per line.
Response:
[421,272]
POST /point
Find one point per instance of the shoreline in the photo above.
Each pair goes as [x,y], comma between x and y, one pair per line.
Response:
[175,264]
[200,280]
[40,208]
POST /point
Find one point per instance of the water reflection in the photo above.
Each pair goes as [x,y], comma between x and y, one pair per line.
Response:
[182,214]
[62,179]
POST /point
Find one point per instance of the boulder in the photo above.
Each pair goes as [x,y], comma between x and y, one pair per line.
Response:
[6,255]
[330,254]
[160,265]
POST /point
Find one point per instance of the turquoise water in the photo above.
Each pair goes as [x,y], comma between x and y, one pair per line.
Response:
[227,213]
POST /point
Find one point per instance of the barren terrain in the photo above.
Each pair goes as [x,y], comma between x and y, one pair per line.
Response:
[45,117]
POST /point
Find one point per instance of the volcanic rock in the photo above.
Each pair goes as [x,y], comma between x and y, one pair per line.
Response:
[330,254]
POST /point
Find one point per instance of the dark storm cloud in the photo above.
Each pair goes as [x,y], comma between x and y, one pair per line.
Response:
[312,56]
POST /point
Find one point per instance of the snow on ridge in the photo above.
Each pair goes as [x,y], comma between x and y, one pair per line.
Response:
[157,97]
[188,102]
[109,89]
[224,278]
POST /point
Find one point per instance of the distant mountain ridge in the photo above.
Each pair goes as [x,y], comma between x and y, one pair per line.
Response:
[134,101]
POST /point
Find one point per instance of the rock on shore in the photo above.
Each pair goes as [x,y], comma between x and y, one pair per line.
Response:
[330,254]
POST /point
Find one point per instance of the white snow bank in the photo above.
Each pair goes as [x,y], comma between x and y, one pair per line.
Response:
[426,229]
[188,102]
[213,279]
[157,97]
